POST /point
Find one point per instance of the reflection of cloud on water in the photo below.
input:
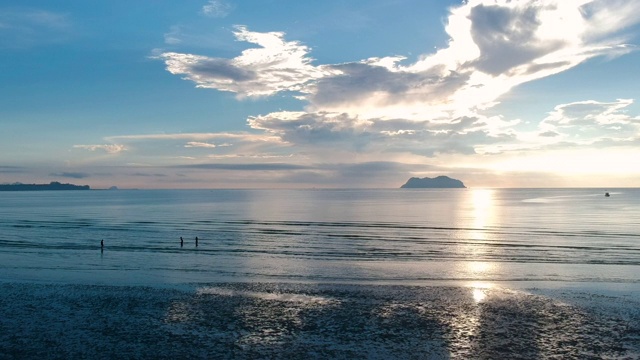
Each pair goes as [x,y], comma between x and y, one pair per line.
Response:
[212,290]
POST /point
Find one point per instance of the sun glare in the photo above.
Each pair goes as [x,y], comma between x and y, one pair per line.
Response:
[479,290]
[481,217]
[479,267]
[482,200]
[574,162]
[482,211]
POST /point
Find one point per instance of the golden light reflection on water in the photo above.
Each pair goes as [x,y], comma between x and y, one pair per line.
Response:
[481,216]
[480,267]
[483,212]
[479,295]
[479,290]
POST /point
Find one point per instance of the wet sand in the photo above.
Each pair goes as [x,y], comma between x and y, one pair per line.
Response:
[310,321]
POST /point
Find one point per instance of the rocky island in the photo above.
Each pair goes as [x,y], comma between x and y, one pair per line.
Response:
[54,185]
[433,183]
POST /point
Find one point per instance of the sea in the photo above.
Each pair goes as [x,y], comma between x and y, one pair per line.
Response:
[320,274]
[518,237]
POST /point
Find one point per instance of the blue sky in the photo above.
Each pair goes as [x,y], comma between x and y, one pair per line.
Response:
[300,94]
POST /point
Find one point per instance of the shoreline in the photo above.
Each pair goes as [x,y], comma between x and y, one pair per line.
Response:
[294,320]
[179,279]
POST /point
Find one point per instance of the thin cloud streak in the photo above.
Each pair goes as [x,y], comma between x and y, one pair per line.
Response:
[23,28]
[108,148]
[72,175]
[217,9]
[192,136]
[12,169]
[245,167]
[197,144]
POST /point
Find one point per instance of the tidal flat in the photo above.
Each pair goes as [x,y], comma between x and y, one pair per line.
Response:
[310,321]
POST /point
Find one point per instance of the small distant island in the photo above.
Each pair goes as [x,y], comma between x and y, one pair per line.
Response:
[54,185]
[429,183]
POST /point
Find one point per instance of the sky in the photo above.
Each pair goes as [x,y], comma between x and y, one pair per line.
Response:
[320,94]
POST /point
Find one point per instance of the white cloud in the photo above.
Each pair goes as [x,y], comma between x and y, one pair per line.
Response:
[501,44]
[174,36]
[217,9]
[250,156]
[495,45]
[198,144]
[176,148]
[605,16]
[198,137]
[275,66]
[578,125]
[591,113]
[323,133]
[108,148]
[28,27]
[587,122]
[384,108]
[303,137]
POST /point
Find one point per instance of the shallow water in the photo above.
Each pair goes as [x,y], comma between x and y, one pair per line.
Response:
[395,236]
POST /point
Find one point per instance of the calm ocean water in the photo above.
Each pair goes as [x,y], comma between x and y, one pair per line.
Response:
[356,236]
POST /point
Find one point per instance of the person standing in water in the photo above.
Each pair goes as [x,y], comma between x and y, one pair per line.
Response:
[181,241]
[196,241]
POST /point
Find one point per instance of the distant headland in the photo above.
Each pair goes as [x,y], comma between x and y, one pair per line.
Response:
[54,185]
[429,183]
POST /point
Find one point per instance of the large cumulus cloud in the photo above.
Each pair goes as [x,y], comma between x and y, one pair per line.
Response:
[391,108]
[494,46]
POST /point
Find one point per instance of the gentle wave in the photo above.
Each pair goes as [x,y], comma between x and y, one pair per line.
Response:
[325,235]
[344,240]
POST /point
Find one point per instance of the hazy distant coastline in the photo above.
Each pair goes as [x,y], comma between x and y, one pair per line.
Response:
[54,185]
